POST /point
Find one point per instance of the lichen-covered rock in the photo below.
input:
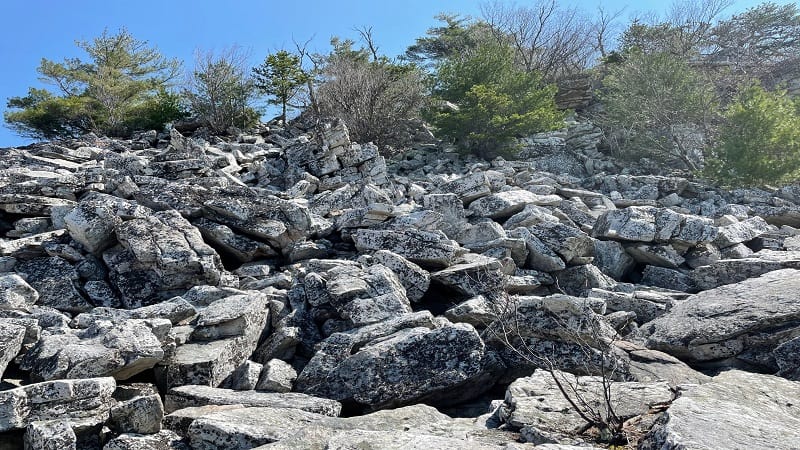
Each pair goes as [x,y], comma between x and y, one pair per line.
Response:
[15,293]
[276,376]
[89,398]
[12,335]
[364,296]
[446,364]
[93,221]
[735,410]
[746,320]
[476,275]
[163,440]
[413,278]
[55,280]
[105,348]
[507,203]
[536,405]
[161,252]
[141,415]
[50,435]
[741,232]
[191,396]
[421,247]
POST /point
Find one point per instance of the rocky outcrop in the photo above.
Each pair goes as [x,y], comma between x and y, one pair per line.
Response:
[265,283]
[734,410]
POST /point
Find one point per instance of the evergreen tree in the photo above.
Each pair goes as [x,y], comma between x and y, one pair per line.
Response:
[281,77]
[106,94]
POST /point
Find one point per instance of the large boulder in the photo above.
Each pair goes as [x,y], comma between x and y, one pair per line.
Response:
[87,399]
[735,410]
[745,320]
[446,364]
[421,247]
[541,410]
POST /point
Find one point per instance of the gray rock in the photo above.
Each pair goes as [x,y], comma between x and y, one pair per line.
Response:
[507,203]
[741,232]
[366,296]
[469,187]
[93,221]
[240,247]
[161,252]
[735,410]
[12,336]
[50,435]
[476,275]
[163,440]
[702,255]
[421,247]
[15,293]
[192,396]
[536,403]
[413,278]
[667,278]
[787,357]
[655,255]
[573,245]
[729,271]
[244,378]
[236,315]
[477,311]
[579,280]
[727,321]
[540,256]
[140,415]
[630,224]
[88,398]
[612,259]
[446,364]
[55,280]
[276,376]
[120,349]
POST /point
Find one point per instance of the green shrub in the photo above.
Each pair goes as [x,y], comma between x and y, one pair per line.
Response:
[759,141]
[486,102]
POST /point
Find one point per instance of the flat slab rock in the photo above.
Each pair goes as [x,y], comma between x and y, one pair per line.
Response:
[735,410]
[723,322]
[62,399]
[192,396]
[535,402]
[417,426]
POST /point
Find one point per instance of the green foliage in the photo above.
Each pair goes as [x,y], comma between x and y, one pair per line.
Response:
[156,111]
[457,36]
[220,93]
[760,140]
[657,105]
[379,99]
[122,78]
[280,76]
[487,101]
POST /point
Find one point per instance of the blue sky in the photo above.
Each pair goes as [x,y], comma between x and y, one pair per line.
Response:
[35,29]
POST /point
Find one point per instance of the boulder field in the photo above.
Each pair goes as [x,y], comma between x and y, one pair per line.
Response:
[291,289]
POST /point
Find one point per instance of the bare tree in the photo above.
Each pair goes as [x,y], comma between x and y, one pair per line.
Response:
[554,40]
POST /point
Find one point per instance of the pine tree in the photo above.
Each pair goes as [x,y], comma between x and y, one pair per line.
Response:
[280,76]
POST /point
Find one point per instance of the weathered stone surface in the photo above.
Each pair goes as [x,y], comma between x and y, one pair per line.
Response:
[612,259]
[411,365]
[741,232]
[573,245]
[420,247]
[15,293]
[244,378]
[726,321]
[55,280]
[477,311]
[276,376]
[191,396]
[88,398]
[476,275]
[105,348]
[93,221]
[163,440]
[160,252]
[735,410]
[536,403]
[366,296]
[50,435]
[729,271]
[413,278]
[140,415]
[629,224]
[12,336]
[787,357]
[507,203]
[579,280]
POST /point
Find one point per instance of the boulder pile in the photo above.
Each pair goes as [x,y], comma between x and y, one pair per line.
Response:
[294,289]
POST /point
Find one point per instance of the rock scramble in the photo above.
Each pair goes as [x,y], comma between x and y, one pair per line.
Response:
[293,289]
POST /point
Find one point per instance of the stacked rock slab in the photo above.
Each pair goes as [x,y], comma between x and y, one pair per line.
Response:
[263,284]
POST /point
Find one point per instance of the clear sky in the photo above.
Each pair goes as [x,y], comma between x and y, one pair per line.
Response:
[35,29]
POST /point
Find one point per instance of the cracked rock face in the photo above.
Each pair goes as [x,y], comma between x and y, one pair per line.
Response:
[266,282]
